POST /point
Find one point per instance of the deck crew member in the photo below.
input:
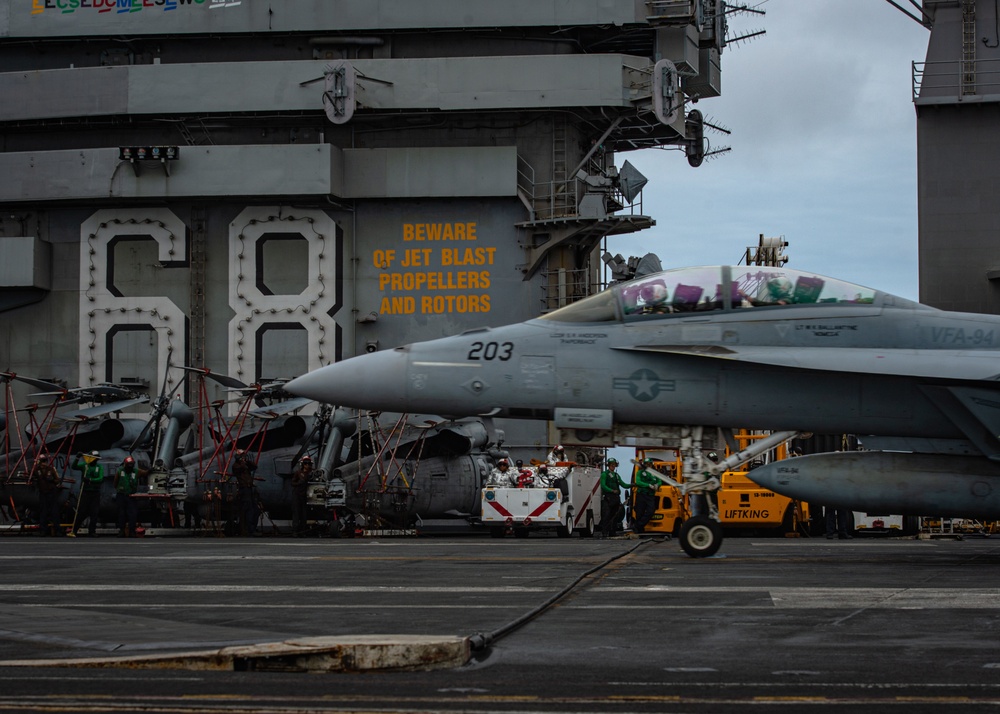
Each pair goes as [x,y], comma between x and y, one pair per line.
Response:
[246,494]
[557,455]
[543,474]
[611,504]
[501,476]
[300,494]
[49,486]
[837,523]
[126,484]
[645,496]
[92,476]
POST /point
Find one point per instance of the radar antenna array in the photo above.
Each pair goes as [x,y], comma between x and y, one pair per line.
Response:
[736,9]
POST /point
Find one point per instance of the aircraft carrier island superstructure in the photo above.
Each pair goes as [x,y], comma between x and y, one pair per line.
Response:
[956,93]
[263,188]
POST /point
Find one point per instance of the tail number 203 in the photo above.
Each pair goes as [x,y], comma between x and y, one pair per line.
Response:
[491,351]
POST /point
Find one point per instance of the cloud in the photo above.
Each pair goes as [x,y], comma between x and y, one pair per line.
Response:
[824,149]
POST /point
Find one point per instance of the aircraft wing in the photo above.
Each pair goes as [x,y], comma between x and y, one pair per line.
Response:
[976,365]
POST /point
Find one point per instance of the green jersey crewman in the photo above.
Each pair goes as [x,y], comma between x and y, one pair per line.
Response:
[92,476]
[611,504]
[126,485]
[645,496]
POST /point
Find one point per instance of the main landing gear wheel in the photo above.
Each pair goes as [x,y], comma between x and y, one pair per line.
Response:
[701,536]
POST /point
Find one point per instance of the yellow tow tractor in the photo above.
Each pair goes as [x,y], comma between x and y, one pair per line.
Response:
[741,503]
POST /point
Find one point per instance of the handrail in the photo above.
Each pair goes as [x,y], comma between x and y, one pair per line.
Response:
[945,79]
[552,200]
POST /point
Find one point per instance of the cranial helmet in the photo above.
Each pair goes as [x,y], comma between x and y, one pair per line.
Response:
[95,452]
[306,459]
[653,293]
[780,288]
[129,460]
[612,461]
[503,463]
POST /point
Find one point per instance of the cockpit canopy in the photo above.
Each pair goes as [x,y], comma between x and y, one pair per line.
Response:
[705,289]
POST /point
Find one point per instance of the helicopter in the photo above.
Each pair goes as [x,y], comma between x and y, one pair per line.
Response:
[390,477]
[59,434]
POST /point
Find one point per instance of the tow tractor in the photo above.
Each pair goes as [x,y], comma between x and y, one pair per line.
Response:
[741,503]
[566,499]
[694,493]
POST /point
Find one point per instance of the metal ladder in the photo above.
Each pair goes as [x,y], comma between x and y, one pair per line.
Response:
[559,150]
[968,47]
[563,200]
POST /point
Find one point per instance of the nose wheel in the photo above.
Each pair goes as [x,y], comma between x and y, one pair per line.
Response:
[701,536]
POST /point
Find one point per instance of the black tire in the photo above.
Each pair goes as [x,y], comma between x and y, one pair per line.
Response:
[789,523]
[588,530]
[565,530]
[701,536]
[496,532]
[521,532]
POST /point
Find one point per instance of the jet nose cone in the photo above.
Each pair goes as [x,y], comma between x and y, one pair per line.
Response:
[374,381]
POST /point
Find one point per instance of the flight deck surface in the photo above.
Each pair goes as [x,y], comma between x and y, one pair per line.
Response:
[771,625]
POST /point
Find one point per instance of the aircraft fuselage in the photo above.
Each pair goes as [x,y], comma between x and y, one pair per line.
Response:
[674,371]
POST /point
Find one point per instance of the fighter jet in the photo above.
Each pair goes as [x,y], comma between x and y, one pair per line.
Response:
[762,348]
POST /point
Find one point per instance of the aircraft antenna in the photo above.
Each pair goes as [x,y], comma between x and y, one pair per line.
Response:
[923,18]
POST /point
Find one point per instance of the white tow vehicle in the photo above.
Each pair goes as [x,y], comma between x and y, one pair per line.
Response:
[566,499]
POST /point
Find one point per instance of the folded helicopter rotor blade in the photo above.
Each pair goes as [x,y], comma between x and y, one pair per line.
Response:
[223,379]
[276,410]
[101,409]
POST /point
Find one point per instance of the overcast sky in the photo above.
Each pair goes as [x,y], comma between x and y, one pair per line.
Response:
[824,149]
